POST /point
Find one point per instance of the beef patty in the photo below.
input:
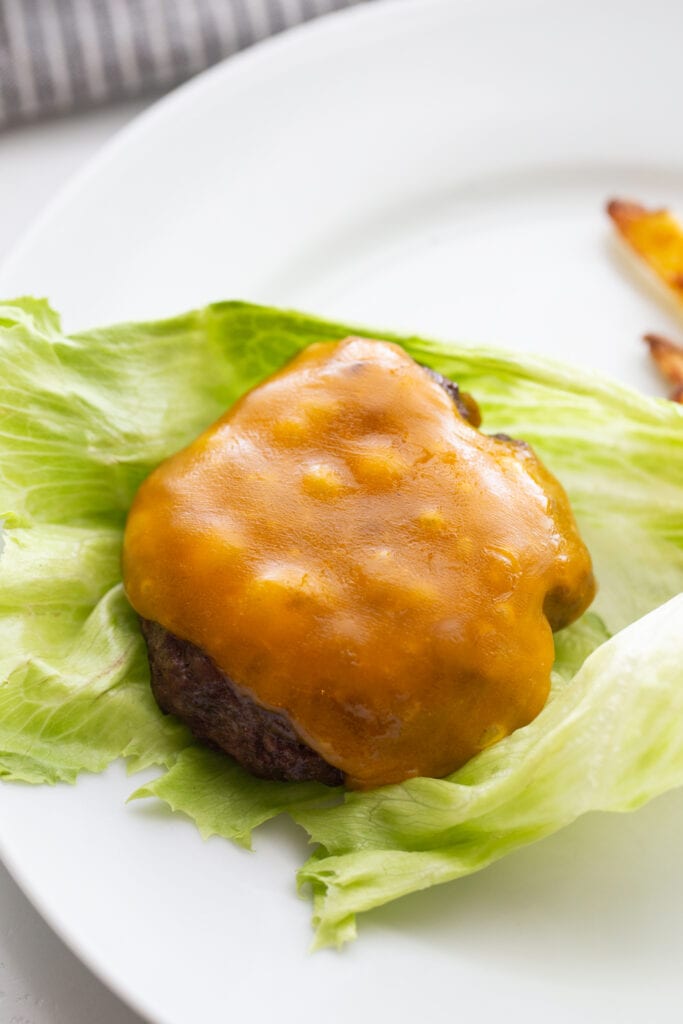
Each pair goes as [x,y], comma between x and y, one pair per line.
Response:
[187,683]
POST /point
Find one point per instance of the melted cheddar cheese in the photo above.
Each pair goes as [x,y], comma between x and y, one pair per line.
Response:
[352,551]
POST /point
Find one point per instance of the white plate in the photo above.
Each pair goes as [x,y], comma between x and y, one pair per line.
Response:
[434,166]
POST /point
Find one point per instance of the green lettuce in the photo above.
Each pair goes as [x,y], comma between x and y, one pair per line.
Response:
[83,420]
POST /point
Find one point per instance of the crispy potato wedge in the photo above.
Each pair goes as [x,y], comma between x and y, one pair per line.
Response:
[655,236]
[669,358]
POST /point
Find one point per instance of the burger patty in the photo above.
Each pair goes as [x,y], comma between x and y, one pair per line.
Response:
[187,683]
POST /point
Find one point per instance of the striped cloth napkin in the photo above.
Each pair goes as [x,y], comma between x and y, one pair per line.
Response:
[63,55]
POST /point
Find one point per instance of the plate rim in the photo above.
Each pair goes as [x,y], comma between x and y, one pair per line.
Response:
[233,66]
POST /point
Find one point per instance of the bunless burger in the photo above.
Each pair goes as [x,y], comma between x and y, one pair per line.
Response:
[345,579]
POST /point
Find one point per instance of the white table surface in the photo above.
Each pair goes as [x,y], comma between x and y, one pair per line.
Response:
[41,981]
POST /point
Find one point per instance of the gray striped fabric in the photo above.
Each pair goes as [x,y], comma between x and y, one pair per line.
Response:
[62,55]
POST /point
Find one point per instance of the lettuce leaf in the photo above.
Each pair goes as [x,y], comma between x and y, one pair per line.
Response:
[84,419]
[225,800]
[602,743]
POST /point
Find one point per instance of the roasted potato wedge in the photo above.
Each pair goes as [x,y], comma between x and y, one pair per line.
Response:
[655,236]
[669,358]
